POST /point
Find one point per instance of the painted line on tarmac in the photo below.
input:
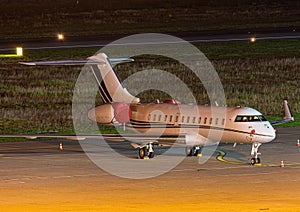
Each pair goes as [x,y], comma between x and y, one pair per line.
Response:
[222,154]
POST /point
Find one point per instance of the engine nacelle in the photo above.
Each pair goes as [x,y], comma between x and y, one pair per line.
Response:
[117,112]
[198,140]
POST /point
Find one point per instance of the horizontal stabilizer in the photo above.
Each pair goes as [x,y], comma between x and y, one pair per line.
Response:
[113,61]
[62,63]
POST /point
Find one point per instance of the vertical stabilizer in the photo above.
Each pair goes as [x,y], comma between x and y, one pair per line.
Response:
[110,86]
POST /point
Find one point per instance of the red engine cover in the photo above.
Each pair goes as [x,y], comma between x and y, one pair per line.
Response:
[122,112]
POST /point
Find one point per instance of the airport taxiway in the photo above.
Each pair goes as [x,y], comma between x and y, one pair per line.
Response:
[37,176]
[192,37]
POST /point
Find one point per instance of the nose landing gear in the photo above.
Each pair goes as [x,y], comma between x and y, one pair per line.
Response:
[254,153]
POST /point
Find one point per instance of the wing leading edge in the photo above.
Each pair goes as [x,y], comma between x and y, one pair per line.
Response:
[137,138]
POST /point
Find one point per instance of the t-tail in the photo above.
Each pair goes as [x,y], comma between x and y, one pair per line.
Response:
[110,86]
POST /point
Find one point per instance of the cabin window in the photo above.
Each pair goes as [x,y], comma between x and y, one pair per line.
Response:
[188,119]
[210,121]
[159,117]
[176,119]
[205,120]
[217,120]
[171,117]
[166,116]
[182,119]
[154,117]
[250,118]
[194,120]
[223,121]
[199,121]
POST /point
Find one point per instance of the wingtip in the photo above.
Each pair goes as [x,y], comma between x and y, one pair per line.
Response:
[27,63]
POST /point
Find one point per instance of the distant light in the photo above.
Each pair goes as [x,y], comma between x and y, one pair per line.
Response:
[253,39]
[60,36]
[19,51]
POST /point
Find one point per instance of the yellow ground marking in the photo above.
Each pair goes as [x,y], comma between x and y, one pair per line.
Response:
[222,154]
[9,55]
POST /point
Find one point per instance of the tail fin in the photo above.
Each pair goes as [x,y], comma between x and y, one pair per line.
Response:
[110,86]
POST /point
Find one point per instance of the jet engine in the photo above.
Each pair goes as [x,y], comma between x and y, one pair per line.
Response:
[117,112]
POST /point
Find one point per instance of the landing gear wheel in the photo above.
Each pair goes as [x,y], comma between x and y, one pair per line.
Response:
[255,153]
[142,153]
[258,160]
[151,154]
[188,151]
[252,161]
[196,152]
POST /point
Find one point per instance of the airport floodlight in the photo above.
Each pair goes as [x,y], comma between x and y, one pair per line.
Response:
[19,51]
[60,36]
[252,39]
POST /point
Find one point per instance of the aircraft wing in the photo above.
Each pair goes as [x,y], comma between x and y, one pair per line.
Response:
[281,121]
[288,116]
[136,138]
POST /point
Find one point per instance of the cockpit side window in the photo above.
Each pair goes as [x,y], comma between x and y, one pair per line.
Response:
[241,118]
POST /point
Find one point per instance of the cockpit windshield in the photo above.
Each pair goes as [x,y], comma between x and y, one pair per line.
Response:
[250,118]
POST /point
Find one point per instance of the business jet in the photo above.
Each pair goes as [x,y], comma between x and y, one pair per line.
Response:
[190,125]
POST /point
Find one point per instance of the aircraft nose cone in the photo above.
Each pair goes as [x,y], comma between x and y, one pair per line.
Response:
[272,134]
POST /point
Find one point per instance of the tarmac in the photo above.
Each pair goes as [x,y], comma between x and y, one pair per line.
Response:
[36,176]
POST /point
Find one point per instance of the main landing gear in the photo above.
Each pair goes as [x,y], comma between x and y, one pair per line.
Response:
[193,151]
[146,151]
[254,153]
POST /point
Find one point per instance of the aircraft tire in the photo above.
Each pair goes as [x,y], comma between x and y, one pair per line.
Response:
[151,154]
[196,152]
[189,151]
[258,160]
[253,161]
[142,153]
